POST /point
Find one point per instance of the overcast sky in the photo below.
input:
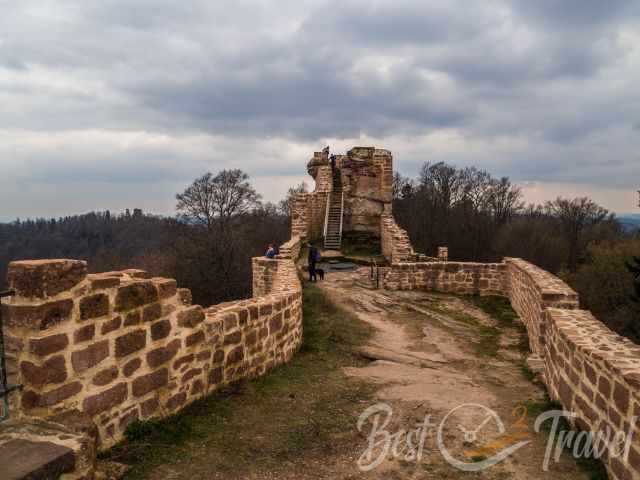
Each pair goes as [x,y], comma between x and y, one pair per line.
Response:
[115,104]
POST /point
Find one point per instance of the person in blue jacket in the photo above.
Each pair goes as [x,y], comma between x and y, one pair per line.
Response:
[271,251]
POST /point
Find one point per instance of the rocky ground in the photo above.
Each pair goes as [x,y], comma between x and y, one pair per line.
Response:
[442,356]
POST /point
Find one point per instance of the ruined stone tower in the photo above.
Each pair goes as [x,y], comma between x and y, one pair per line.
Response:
[348,202]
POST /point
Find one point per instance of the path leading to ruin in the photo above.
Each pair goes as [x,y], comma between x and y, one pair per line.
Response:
[432,353]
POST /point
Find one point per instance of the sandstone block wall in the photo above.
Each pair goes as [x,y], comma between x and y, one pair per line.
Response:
[590,370]
[394,241]
[532,290]
[121,347]
[300,216]
[463,278]
[593,372]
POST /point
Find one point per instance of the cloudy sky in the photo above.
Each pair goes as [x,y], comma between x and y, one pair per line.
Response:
[121,103]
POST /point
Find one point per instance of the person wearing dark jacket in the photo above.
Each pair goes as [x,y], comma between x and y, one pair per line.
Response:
[312,259]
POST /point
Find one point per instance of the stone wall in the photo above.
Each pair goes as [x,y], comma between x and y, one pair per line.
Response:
[591,371]
[121,347]
[307,217]
[394,241]
[531,291]
[300,216]
[464,278]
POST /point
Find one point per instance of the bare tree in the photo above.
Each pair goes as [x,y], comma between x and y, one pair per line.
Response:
[216,200]
[505,200]
[575,216]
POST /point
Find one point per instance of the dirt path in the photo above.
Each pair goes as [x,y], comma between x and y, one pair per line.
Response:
[432,354]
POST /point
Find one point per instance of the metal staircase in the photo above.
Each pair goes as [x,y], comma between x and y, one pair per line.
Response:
[333,217]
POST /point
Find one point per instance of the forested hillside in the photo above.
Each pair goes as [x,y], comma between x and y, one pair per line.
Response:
[206,249]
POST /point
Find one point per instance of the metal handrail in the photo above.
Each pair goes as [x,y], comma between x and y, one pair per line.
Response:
[5,388]
[326,216]
[341,214]
[375,272]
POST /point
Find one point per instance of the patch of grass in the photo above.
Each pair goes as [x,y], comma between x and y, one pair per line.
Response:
[487,344]
[306,407]
[527,372]
[498,308]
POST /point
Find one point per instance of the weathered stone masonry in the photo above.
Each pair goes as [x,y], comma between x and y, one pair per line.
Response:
[589,369]
[121,347]
[366,175]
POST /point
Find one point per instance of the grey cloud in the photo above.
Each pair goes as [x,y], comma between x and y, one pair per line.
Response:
[553,76]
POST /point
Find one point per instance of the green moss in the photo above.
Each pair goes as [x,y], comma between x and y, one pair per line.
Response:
[304,407]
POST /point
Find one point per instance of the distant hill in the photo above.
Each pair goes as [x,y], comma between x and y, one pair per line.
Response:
[630,221]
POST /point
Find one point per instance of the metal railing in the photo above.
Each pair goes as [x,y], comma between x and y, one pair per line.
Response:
[341,215]
[326,216]
[5,388]
[375,273]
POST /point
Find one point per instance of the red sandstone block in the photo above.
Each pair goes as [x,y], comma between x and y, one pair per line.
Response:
[233,338]
[130,343]
[151,312]
[194,339]
[621,397]
[102,281]
[53,371]
[150,382]
[48,345]
[131,367]
[158,356]
[132,318]
[135,273]
[149,407]
[191,374]
[230,322]
[167,287]
[90,357]
[45,278]
[105,377]
[176,401]
[111,325]
[191,317]
[84,334]
[235,356]
[160,330]
[205,355]
[106,400]
[37,317]
[185,360]
[31,399]
[94,306]
[135,295]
